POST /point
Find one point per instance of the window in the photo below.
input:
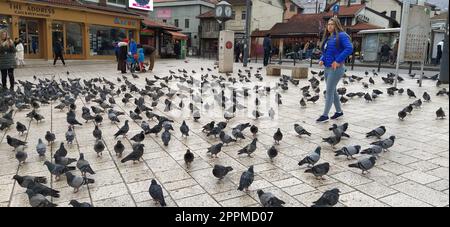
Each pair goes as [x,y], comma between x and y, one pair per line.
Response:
[393,14]
[164,21]
[176,23]
[74,38]
[349,21]
[118,2]
[102,39]
[233,15]
[292,8]
[243,15]
[5,22]
[186,23]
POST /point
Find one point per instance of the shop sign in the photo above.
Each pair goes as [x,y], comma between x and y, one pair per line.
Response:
[163,13]
[124,22]
[141,4]
[31,10]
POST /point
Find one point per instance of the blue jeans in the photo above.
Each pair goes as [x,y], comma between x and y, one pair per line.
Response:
[332,78]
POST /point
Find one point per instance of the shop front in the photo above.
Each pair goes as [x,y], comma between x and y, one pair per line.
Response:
[84,33]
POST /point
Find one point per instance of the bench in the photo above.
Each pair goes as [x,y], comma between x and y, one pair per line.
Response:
[298,72]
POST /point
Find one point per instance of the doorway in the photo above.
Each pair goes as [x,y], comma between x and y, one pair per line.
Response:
[29,32]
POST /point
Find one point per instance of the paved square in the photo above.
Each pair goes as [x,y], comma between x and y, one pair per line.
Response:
[414,172]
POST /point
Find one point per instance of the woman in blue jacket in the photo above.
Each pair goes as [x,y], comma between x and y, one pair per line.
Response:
[336,47]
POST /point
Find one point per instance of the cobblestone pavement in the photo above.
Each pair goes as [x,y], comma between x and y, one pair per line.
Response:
[414,172]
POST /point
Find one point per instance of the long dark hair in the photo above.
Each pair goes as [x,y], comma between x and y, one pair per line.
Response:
[337,28]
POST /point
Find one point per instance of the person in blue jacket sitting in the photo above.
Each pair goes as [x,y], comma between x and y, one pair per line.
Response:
[336,47]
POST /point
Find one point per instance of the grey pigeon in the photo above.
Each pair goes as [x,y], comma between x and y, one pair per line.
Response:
[272,153]
[237,133]
[402,114]
[378,132]
[339,131]
[440,113]
[267,199]
[365,164]
[119,148]
[123,130]
[278,136]
[57,170]
[385,144]
[136,154]
[21,128]
[13,142]
[145,126]
[254,130]
[64,160]
[184,129]
[84,166]
[312,158]
[165,137]
[348,151]
[112,116]
[426,97]
[21,156]
[328,199]
[99,147]
[61,152]
[97,133]
[138,137]
[249,149]
[25,181]
[225,138]
[410,93]
[50,137]
[417,103]
[332,140]
[300,130]
[38,187]
[156,192]
[220,171]
[38,200]
[70,135]
[319,170]
[41,148]
[71,118]
[77,181]
[215,149]
[215,131]
[188,158]
[374,150]
[75,203]
[246,180]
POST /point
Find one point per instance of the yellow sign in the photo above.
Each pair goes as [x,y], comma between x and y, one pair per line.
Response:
[31,10]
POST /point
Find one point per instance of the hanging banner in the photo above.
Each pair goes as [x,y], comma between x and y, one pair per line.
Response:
[141,4]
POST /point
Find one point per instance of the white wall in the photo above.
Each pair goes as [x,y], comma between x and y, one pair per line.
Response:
[265,16]
[375,19]
[386,5]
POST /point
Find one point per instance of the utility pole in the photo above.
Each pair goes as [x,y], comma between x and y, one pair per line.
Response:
[402,38]
[247,31]
[443,75]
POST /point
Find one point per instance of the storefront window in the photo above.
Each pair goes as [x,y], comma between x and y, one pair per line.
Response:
[29,33]
[74,39]
[5,22]
[102,38]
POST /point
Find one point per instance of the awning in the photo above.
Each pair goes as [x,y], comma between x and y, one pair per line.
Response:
[177,35]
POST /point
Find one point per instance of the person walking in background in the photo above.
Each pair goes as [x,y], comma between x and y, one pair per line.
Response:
[267,45]
[385,50]
[440,47]
[34,45]
[394,52]
[58,51]
[20,53]
[151,53]
[123,52]
[336,47]
[237,51]
[7,59]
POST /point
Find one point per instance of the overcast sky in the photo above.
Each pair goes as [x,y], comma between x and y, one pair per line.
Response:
[443,4]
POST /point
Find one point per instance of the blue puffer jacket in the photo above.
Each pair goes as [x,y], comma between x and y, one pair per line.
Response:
[331,53]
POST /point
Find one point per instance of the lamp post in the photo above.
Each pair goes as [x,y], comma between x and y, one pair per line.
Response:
[247,31]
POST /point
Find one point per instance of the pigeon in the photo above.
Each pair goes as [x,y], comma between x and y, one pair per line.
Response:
[29,181]
[215,149]
[374,150]
[300,130]
[76,181]
[313,99]
[99,147]
[249,149]
[119,148]
[312,158]
[156,129]
[319,170]
[64,160]
[332,140]
[138,137]
[75,203]
[70,135]
[246,180]
[208,127]
[339,131]
[98,119]
[426,97]
[184,129]
[13,142]
[84,166]
[348,151]
[188,158]
[215,131]
[97,133]
[165,137]
[237,133]
[123,130]
[57,170]
[302,102]
[417,103]
[278,136]
[21,155]
[71,120]
[440,113]
[271,113]
[402,114]
[136,154]
[368,98]
[50,137]
[61,152]
[410,93]
[385,144]
[21,128]
[156,193]
[400,91]
[254,130]
[112,116]
[378,132]
[38,200]
[267,199]
[365,164]
[220,171]
[272,153]
[225,138]
[41,148]
[328,199]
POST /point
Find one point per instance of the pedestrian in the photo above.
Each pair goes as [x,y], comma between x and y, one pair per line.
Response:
[58,51]
[177,49]
[267,45]
[20,53]
[385,50]
[237,51]
[123,51]
[133,47]
[7,59]
[336,47]
[34,45]
[394,52]
[150,52]
[141,57]
[440,47]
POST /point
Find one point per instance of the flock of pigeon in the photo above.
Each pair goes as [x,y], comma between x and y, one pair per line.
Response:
[30,95]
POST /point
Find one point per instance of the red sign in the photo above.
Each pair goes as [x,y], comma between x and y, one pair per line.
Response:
[229,45]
